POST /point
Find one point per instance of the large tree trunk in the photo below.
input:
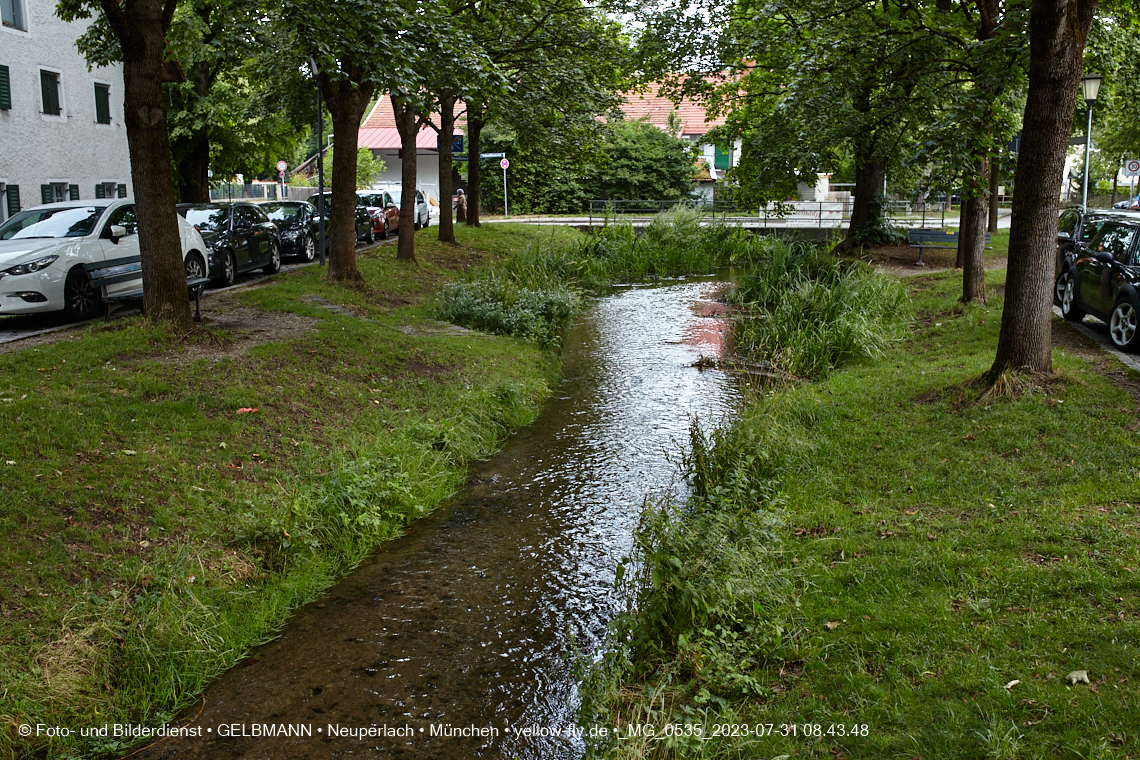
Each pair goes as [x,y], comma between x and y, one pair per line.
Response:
[346,103]
[407,124]
[474,130]
[972,240]
[141,27]
[446,136]
[1058,30]
[995,171]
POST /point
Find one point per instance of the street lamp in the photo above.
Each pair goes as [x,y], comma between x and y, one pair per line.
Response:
[320,165]
[1090,88]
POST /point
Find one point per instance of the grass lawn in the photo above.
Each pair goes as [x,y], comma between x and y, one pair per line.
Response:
[943,562]
[168,500]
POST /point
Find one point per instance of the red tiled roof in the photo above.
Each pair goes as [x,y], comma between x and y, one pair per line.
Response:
[388,138]
[656,109]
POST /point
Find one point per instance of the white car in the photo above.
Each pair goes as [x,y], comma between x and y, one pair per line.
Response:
[43,250]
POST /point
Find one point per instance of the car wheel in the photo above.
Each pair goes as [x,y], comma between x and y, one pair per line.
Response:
[229,269]
[1123,327]
[80,300]
[195,267]
[274,265]
[369,237]
[416,223]
[308,248]
[384,234]
[1066,292]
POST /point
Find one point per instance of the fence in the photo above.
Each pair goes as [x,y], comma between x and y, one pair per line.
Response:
[802,214]
[259,191]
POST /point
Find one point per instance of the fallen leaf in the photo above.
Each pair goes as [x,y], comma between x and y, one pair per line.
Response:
[222,445]
[1078,676]
[129,452]
[1011,684]
[246,410]
[831,626]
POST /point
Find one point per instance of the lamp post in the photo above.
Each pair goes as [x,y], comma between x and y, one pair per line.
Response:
[1090,88]
[320,166]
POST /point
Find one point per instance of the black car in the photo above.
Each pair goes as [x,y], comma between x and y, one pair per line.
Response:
[298,227]
[239,237]
[363,219]
[1103,274]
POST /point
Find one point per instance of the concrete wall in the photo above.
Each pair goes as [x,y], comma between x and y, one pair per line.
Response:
[427,171]
[69,149]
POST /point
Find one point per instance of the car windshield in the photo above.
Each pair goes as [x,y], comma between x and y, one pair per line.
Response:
[373,199]
[395,196]
[52,223]
[282,212]
[215,219]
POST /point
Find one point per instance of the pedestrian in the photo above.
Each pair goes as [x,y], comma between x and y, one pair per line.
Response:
[461,207]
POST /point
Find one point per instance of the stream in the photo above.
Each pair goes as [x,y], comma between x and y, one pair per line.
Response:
[459,633]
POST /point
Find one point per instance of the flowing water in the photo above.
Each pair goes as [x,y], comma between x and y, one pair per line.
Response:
[463,627]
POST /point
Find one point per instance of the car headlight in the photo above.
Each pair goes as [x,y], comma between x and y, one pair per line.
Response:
[290,234]
[31,266]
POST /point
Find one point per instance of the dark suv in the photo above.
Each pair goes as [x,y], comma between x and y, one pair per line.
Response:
[1102,275]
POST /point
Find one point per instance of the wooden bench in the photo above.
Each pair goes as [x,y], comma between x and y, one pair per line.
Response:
[114,271]
[923,239]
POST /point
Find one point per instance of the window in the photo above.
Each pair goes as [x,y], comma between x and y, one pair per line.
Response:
[12,14]
[102,103]
[53,193]
[49,89]
[106,190]
[13,199]
[122,191]
[721,159]
[1113,238]
[1068,222]
[5,89]
[123,216]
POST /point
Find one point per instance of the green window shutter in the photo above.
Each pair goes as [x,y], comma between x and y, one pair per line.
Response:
[122,191]
[5,89]
[102,104]
[721,159]
[49,88]
[99,192]
[46,195]
[73,192]
[13,200]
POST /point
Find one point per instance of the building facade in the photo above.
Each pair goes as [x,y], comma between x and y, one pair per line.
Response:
[61,126]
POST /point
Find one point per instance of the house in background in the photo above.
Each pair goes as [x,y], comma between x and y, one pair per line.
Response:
[379,134]
[692,124]
[62,125]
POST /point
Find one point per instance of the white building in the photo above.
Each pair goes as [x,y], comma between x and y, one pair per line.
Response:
[61,126]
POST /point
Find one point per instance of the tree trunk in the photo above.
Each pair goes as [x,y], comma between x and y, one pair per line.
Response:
[865,207]
[474,130]
[407,124]
[1115,180]
[194,179]
[972,240]
[141,28]
[346,103]
[995,169]
[446,137]
[1058,30]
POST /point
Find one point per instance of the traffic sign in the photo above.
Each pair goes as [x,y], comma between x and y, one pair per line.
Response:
[504,163]
[282,166]
[1132,167]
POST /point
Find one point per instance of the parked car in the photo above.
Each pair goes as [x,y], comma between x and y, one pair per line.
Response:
[1103,276]
[364,226]
[43,250]
[385,213]
[239,238]
[298,227]
[421,211]
[1128,203]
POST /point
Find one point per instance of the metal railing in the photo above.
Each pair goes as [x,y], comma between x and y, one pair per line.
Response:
[258,191]
[800,214]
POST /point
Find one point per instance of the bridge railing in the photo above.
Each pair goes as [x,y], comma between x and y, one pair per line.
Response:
[818,214]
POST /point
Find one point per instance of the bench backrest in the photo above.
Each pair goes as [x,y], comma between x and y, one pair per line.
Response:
[937,236]
[113,271]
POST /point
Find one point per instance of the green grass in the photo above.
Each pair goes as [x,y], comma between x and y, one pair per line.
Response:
[150,534]
[931,546]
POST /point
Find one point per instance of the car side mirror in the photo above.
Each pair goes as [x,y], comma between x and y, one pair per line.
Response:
[1104,257]
[1063,236]
[117,231]
[390,205]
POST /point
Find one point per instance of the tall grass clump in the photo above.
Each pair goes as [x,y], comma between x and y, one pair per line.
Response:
[533,294]
[808,313]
